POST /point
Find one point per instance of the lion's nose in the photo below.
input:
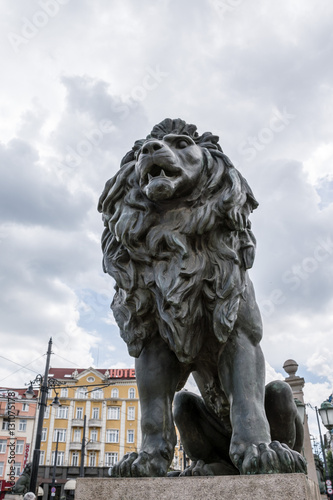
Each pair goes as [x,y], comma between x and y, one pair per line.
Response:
[151,146]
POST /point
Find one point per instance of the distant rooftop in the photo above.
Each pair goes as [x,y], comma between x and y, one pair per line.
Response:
[72,373]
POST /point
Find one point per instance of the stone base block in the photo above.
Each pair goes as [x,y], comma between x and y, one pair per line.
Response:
[274,487]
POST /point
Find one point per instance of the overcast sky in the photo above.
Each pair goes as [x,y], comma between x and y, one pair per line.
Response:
[81,81]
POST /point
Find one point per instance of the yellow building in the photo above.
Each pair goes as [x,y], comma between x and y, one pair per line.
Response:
[106,401]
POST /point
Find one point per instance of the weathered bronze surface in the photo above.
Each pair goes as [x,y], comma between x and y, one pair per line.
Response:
[178,243]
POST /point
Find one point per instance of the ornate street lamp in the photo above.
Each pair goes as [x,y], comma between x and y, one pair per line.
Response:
[56,403]
[326,414]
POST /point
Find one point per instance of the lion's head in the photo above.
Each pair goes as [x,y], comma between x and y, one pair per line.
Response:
[177,238]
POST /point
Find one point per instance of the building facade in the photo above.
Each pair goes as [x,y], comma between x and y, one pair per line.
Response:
[100,409]
[17,419]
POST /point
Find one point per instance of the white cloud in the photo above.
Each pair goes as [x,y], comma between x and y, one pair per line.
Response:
[131,64]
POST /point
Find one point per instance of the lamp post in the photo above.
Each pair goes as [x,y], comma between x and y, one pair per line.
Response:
[43,381]
[55,467]
[83,445]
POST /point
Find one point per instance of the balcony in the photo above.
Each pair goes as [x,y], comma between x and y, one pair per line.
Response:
[95,422]
[74,446]
[77,422]
[94,445]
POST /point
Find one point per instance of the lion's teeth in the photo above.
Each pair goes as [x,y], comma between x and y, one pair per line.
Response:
[162,173]
[149,177]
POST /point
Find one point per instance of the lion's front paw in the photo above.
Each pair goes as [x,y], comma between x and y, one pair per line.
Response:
[140,465]
[273,458]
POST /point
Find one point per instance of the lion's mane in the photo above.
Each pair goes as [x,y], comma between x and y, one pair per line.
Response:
[179,274]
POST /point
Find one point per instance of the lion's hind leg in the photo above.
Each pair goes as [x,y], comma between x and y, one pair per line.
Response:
[204,437]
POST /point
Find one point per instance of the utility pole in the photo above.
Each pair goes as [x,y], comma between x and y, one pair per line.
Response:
[44,392]
[83,446]
[55,466]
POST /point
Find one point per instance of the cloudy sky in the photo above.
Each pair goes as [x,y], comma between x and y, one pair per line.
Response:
[81,81]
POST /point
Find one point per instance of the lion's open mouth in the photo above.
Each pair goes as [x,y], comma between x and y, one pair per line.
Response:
[156,171]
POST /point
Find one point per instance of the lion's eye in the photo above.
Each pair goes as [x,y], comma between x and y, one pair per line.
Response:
[182,144]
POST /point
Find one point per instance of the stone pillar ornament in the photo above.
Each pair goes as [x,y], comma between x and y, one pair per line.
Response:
[297,383]
[178,243]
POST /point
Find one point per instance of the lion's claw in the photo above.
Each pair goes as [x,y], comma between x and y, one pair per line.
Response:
[140,465]
[198,468]
[270,458]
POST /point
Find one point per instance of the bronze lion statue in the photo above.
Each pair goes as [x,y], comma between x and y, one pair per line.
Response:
[178,243]
[22,484]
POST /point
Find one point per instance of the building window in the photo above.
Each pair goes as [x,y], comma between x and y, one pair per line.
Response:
[47,412]
[130,436]
[62,412]
[64,392]
[95,413]
[25,407]
[44,433]
[75,459]
[5,425]
[19,447]
[81,393]
[97,394]
[131,393]
[60,457]
[113,412]
[92,459]
[41,457]
[114,393]
[112,435]
[61,433]
[17,468]
[111,458]
[79,412]
[91,379]
[22,425]
[131,413]
[77,436]
[2,464]
[93,435]
[3,444]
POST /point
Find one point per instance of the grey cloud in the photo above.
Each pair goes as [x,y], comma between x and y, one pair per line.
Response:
[31,194]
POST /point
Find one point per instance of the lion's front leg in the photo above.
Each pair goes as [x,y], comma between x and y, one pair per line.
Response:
[252,450]
[241,369]
[242,374]
[158,373]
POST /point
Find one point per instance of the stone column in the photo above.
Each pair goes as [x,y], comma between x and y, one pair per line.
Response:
[297,383]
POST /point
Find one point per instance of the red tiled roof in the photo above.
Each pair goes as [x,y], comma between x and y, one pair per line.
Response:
[61,372]
[21,392]
[67,373]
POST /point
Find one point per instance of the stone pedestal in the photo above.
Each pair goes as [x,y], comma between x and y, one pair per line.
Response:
[258,487]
